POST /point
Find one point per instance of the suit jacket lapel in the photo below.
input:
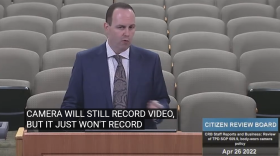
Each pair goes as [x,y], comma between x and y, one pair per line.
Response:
[135,69]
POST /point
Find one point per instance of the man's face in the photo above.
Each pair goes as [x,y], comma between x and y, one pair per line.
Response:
[122,29]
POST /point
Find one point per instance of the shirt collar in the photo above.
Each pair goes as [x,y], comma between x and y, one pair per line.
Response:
[111,53]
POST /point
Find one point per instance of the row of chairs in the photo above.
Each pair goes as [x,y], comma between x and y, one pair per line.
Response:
[142,10]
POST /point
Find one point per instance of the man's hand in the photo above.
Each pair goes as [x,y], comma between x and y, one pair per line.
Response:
[153,104]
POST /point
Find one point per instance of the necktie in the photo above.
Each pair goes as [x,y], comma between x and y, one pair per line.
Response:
[120,86]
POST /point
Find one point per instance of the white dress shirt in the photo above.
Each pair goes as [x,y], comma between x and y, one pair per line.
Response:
[112,64]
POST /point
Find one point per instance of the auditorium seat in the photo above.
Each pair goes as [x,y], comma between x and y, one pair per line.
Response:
[47,100]
[255,40]
[34,9]
[151,25]
[246,9]
[194,108]
[92,24]
[24,39]
[165,60]
[31,23]
[84,9]
[18,68]
[199,40]
[75,39]
[188,10]
[170,123]
[56,79]
[169,82]
[194,24]
[148,10]
[203,58]
[250,24]
[60,58]
[153,2]
[170,3]
[101,2]
[210,80]
[57,3]
[150,40]
[221,3]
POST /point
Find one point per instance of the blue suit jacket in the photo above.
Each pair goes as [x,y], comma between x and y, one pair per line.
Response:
[89,85]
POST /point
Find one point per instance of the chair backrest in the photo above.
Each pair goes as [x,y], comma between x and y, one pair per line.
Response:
[278,12]
[92,24]
[56,79]
[148,10]
[249,24]
[153,2]
[84,9]
[165,60]
[76,39]
[57,3]
[170,123]
[210,80]
[195,24]
[5,3]
[246,9]
[255,40]
[101,2]
[214,105]
[31,23]
[150,40]
[188,10]
[151,25]
[274,3]
[2,12]
[199,40]
[261,65]
[221,3]
[24,39]
[170,3]
[169,82]
[18,64]
[48,100]
[203,58]
[34,9]
[60,58]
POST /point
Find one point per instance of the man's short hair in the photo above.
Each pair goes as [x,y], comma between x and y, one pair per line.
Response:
[112,8]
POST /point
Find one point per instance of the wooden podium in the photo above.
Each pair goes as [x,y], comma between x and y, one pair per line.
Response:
[108,144]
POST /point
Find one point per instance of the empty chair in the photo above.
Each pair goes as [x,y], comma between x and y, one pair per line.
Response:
[151,25]
[222,3]
[56,79]
[150,40]
[60,58]
[274,3]
[203,58]
[170,123]
[199,40]
[165,59]
[213,105]
[147,10]
[92,24]
[188,10]
[57,3]
[76,39]
[18,68]
[153,2]
[101,2]
[169,82]
[255,40]
[170,3]
[210,80]
[24,39]
[34,9]
[84,9]
[194,24]
[250,24]
[48,100]
[246,9]
[31,23]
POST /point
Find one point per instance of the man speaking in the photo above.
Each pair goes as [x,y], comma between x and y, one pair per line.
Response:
[116,74]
